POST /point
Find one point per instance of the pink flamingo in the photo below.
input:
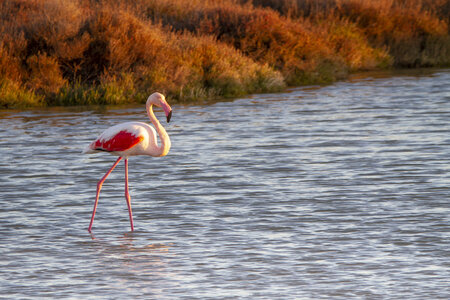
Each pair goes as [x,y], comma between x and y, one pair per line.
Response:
[132,138]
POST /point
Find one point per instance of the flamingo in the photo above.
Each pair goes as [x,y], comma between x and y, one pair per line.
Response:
[129,139]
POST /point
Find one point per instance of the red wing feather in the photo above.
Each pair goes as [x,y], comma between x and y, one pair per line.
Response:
[122,141]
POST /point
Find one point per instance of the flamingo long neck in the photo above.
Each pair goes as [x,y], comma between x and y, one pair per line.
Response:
[163,149]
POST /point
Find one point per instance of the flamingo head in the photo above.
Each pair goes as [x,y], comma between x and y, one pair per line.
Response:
[159,100]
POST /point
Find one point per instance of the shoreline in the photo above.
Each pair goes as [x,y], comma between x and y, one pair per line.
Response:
[354,77]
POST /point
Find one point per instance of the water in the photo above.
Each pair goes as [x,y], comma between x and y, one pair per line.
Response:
[338,192]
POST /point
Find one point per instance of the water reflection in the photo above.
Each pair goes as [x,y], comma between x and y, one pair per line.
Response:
[131,243]
[134,261]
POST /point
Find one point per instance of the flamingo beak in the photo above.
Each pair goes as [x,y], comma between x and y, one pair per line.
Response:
[167,110]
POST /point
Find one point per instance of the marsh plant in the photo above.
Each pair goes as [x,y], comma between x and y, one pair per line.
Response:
[61,52]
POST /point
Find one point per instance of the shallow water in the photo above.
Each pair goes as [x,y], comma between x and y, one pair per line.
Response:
[336,192]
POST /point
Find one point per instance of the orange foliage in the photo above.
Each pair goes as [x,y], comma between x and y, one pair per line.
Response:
[117,51]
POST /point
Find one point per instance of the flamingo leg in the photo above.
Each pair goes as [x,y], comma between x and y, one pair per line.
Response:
[99,187]
[127,195]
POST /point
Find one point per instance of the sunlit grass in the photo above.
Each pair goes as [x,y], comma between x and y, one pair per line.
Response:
[12,95]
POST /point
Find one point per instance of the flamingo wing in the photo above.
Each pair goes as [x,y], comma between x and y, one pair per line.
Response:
[120,141]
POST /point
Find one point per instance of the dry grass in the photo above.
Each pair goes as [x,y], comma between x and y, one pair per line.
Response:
[296,48]
[61,52]
[128,57]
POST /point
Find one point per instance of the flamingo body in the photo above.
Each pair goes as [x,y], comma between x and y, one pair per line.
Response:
[126,139]
[129,139]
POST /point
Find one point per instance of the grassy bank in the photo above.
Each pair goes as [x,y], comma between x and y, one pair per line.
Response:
[61,52]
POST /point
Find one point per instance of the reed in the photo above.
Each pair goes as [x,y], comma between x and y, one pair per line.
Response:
[13,95]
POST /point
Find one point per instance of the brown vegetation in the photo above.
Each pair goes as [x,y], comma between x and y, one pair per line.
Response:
[60,52]
[415,33]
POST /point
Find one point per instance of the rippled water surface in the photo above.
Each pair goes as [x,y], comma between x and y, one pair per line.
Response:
[336,192]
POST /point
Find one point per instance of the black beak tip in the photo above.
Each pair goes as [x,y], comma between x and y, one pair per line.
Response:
[169,116]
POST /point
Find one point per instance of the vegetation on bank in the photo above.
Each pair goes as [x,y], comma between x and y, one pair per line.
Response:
[68,52]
